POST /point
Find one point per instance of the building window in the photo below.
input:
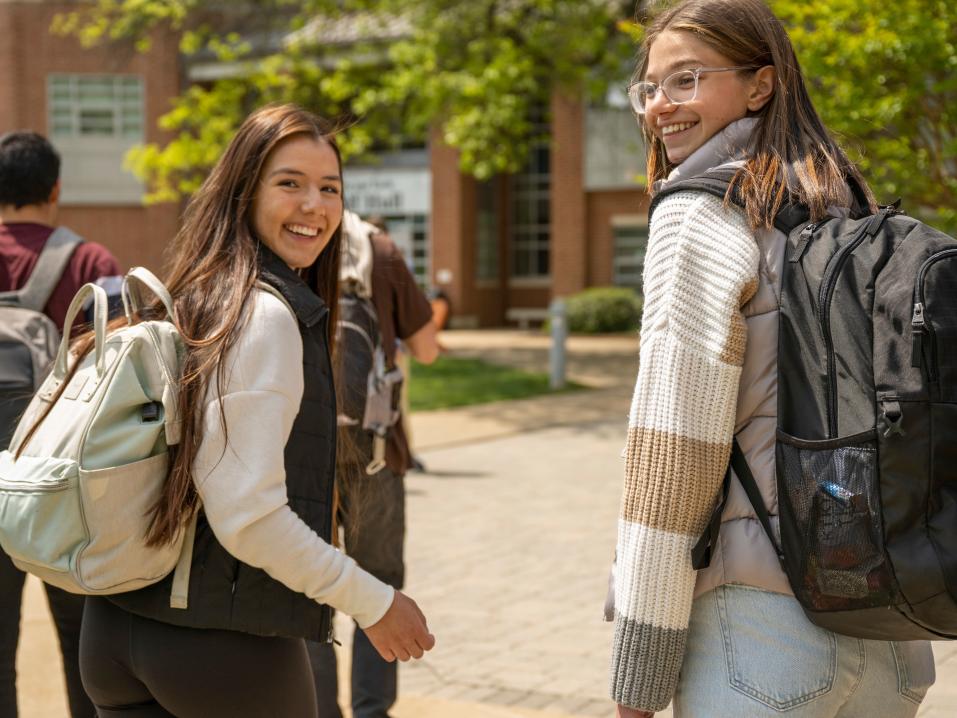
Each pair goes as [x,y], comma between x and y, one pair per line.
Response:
[614,150]
[93,121]
[630,240]
[96,106]
[486,232]
[410,232]
[531,214]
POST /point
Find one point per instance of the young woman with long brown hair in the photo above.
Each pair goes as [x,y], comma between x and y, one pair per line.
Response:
[719,86]
[254,280]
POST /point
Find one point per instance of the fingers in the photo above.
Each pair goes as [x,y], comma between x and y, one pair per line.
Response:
[402,633]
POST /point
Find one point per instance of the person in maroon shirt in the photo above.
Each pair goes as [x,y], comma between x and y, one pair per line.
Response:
[29,194]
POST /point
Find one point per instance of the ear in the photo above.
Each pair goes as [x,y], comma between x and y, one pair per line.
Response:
[55,193]
[762,87]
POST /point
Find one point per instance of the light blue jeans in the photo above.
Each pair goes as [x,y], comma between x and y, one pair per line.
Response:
[754,654]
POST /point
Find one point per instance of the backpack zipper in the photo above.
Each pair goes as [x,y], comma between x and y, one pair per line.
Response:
[825,295]
[35,487]
[920,326]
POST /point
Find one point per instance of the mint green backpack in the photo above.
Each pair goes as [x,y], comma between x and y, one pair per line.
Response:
[74,505]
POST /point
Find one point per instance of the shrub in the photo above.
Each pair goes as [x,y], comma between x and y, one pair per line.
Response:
[603,309]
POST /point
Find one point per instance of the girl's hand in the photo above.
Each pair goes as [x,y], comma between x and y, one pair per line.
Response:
[402,632]
[626,712]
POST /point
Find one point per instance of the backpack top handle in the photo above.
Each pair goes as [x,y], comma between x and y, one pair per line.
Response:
[100,312]
[151,282]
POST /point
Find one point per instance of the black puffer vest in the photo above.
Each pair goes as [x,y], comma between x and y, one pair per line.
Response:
[224,592]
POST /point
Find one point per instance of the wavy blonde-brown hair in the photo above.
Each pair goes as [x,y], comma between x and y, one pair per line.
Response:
[791,149]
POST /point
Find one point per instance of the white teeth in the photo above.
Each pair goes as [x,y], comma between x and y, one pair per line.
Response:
[303,230]
[670,129]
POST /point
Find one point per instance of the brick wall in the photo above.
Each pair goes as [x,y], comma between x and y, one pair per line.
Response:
[569,257]
[453,230]
[602,206]
[28,53]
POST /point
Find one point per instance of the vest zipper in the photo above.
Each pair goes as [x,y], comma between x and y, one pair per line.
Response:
[831,273]
[924,342]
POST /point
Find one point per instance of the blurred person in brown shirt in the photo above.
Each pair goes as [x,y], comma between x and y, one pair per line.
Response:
[372,508]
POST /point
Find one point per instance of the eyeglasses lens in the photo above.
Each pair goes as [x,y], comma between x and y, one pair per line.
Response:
[678,88]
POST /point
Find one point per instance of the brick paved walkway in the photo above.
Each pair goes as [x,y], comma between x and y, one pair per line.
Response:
[510,538]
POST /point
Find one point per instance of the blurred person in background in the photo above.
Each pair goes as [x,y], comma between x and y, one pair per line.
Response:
[372,507]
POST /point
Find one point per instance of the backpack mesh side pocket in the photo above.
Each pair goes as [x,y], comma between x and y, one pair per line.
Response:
[831,522]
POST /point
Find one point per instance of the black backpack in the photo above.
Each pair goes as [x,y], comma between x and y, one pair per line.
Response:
[367,389]
[866,450]
[28,337]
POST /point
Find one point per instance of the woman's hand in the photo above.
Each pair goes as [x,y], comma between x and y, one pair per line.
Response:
[626,712]
[402,632]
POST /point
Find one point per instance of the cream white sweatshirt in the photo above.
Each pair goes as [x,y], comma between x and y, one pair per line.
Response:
[242,480]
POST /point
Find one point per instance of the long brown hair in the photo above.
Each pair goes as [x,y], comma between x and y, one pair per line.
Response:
[214,265]
[790,142]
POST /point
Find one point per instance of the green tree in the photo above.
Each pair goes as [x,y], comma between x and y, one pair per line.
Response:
[884,77]
[388,70]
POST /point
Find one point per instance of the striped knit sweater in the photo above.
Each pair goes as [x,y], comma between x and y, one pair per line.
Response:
[701,267]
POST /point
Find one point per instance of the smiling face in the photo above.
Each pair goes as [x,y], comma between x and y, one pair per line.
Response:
[298,203]
[722,97]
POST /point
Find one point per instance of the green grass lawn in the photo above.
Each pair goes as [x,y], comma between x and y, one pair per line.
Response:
[452,381]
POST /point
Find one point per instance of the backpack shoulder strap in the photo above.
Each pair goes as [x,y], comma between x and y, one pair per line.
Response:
[716,182]
[702,551]
[49,269]
[741,469]
[270,289]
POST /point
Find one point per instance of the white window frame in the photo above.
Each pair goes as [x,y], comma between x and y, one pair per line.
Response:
[629,243]
[419,255]
[93,171]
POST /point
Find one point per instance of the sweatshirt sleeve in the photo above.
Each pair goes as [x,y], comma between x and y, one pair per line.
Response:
[240,473]
[701,267]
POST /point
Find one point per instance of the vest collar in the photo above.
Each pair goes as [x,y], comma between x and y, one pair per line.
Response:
[308,306]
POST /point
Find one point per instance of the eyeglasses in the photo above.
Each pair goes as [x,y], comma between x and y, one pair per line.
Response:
[679,87]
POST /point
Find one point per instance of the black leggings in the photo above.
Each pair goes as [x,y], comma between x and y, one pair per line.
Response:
[67,611]
[136,667]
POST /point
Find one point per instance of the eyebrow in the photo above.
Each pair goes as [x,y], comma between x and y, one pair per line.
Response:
[300,173]
[677,64]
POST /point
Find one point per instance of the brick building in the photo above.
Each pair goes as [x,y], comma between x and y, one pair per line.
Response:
[93,104]
[502,249]
[575,217]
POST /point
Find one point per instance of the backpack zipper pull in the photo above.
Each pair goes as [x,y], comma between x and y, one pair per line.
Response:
[803,241]
[917,342]
[892,416]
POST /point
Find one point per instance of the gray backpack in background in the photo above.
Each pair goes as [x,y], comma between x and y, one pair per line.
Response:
[28,337]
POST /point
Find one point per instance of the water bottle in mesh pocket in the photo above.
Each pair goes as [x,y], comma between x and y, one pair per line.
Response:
[833,508]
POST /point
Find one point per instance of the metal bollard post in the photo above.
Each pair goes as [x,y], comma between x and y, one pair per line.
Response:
[556,358]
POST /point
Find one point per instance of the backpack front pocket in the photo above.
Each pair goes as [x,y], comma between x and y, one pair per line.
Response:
[831,522]
[41,521]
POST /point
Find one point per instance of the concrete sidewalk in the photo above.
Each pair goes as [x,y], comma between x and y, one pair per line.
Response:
[511,533]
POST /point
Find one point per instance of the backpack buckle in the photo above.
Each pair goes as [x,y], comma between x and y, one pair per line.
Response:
[892,417]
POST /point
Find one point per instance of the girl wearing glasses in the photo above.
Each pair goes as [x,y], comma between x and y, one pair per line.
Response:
[718,84]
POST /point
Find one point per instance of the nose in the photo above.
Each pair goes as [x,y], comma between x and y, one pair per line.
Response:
[311,199]
[658,104]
